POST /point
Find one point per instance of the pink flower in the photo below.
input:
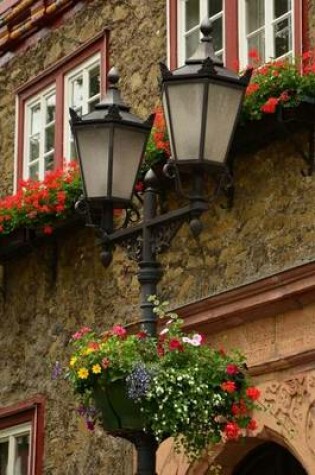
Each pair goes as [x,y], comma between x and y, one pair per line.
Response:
[81,333]
[232,369]
[105,363]
[196,340]
[119,331]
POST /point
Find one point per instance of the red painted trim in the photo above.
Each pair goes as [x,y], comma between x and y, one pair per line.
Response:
[231,33]
[8,4]
[173,33]
[59,128]
[298,28]
[32,411]
[305,25]
[55,75]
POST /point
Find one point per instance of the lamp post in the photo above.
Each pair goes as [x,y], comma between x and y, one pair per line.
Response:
[202,101]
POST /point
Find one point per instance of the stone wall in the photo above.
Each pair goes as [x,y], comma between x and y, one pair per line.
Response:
[49,293]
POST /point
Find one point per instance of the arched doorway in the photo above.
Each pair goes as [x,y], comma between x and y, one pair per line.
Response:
[269,458]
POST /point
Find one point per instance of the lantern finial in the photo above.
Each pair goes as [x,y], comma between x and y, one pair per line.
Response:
[206,29]
[113,77]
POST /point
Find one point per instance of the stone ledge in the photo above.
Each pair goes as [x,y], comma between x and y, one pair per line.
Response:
[288,290]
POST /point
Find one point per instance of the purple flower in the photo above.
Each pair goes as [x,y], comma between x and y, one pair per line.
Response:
[56,371]
[138,382]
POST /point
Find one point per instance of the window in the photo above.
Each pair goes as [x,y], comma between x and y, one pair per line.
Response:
[21,438]
[272,27]
[193,12]
[267,27]
[82,93]
[15,450]
[40,134]
[44,138]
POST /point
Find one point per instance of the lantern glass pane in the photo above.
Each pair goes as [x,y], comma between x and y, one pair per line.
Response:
[185,116]
[93,145]
[128,150]
[222,112]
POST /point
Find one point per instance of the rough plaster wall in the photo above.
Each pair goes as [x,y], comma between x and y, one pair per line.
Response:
[62,285]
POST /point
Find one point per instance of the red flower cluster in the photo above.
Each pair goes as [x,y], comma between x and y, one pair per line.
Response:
[41,203]
[232,431]
[253,393]
[159,131]
[228,386]
[270,106]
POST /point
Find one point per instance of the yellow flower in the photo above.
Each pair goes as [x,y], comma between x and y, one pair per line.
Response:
[83,373]
[87,351]
[73,360]
[96,369]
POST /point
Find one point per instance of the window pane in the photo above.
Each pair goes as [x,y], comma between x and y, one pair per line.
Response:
[77,92]
[21,455]
[49,162]
[192,43]
[50,108]
[257,43]
[94,81]
[4,450]
[50,138]
[214,7]
[282,37]
[35,119]
[281,7]
[217,34]
[192,14]
[33,171]
[92,104]
[34,147]
[255,15]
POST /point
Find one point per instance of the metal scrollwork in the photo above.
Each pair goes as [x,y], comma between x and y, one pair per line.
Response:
[164,234]
[133,247]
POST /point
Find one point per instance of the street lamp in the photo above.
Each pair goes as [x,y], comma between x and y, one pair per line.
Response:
[202,101]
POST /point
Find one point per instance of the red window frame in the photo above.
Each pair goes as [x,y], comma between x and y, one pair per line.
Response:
[301,41]
[30,411]
[55,75]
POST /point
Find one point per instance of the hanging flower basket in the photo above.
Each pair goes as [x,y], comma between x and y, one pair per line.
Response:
[172,384]
[118,413]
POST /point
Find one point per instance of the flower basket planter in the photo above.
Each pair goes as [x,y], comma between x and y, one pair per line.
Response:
[15,243]
[304,112]
[255,134]
[23,240]
[118,412]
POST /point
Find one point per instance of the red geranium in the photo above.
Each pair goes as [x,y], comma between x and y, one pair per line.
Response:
[232,431]
[232,369]
[228,386]
[175,344]
[270,106]
[253,393]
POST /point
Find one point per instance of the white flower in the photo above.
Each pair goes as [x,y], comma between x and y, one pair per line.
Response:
[164,331]
[195,340]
